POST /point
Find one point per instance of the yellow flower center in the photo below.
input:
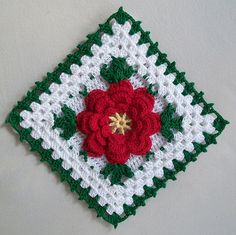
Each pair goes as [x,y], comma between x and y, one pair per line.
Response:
[119,123]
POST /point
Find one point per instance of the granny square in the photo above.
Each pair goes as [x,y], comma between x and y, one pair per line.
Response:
[116,120]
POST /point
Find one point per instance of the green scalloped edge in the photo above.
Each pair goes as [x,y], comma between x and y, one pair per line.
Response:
[56,165]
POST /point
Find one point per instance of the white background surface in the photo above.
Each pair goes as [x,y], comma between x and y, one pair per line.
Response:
[199,35]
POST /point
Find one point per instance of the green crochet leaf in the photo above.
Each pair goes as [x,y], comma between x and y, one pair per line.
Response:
[169,122]
[67,122]
[117,70]
[117,172]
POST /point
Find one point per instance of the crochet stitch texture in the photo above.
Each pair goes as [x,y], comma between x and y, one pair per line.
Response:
[131,114]
[116,120]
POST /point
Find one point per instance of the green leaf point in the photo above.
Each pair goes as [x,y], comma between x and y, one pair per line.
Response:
[66,122]
[170,122]
[117,172]
[117,70]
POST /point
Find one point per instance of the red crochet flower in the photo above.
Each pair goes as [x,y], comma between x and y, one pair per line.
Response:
[118,122]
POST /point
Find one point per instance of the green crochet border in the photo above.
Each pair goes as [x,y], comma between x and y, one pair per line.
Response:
[14,118]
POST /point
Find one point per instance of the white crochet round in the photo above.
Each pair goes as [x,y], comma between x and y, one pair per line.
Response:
[120,44]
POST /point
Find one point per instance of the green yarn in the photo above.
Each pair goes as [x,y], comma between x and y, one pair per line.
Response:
[153,49]
[91,77]
[149,155]
[169,174]
[144,38]
[117,172]
[117,70]
[170,68]
[67,122]
[151,91]
[106,28]
[162,148]
[135,27]
[84,92]
[178,166]
[85,48]
[141,168]
[14,120]
[121,16]
[84,154]
[95,38]
[170,122]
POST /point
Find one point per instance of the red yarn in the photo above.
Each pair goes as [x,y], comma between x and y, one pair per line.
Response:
[120,98]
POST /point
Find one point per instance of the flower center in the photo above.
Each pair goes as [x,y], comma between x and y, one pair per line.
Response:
[119,123]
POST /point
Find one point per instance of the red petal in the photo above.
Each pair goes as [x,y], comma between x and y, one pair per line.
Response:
[82,121]
[88,122]
[106,131]
[142,103]
[94,145]
[104,121]
[109,111]
[117,152]
[148,125]
[101,140]
[117,158]
[123,85]
[98,101]
[139,145]
[121,93]
[94,122]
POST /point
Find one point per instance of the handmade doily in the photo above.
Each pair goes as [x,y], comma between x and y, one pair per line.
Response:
[116,120]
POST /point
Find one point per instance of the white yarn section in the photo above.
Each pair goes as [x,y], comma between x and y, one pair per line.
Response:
[121,44]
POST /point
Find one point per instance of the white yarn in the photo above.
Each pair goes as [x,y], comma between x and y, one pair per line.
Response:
[120,44]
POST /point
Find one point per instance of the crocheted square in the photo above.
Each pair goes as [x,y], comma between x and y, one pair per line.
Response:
[116,120]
